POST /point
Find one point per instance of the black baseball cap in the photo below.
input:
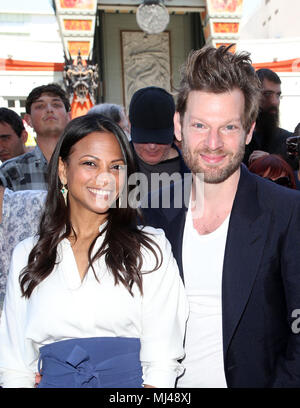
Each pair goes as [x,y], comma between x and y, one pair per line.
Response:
[151,113]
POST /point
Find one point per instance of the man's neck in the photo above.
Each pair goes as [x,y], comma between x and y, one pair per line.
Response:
[47,145]
[172,154]
[213,203]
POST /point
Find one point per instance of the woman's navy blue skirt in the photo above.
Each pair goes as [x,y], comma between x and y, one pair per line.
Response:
[96,362]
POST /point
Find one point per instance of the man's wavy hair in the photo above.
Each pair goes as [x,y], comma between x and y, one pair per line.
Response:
[218,71]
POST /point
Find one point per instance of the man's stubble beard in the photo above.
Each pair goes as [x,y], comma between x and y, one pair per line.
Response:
[213,175]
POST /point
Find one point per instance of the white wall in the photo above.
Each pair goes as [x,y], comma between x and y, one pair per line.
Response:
[273,34]
[27,36]
[273,19]
[30,37]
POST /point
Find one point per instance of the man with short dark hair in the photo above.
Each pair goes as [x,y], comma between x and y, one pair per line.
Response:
[268,136]
[47,112]
[236,238]
[13,135]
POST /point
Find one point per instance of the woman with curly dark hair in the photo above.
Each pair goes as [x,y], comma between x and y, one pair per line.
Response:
[94,300]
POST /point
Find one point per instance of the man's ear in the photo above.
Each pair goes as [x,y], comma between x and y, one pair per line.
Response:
[62,171]
[177,126]
[27,119]
[249,135]
[24,136]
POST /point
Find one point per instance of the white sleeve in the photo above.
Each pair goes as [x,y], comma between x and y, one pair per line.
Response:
[164,315]
[14,355]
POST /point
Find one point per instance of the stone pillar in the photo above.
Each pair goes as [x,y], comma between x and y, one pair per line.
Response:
[221,22]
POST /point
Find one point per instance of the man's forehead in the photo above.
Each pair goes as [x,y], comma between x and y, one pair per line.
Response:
[6,128]
[46,96]
[270,84]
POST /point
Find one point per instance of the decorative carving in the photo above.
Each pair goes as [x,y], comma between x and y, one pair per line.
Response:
[80,79]
[146,61]
[74,46]
[78,25]
[227,6]
[152,16]
[225,27]
[77,4]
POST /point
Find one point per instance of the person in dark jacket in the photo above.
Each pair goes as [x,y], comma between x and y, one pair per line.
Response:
[235,236]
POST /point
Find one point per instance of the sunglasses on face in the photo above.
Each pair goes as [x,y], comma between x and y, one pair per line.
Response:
[282,181]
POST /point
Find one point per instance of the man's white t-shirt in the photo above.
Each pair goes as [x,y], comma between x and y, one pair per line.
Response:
[203,257]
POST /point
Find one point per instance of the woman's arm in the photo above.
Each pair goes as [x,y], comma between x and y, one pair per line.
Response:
[164,315]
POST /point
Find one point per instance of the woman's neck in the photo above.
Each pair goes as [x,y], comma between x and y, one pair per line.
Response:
[86,225]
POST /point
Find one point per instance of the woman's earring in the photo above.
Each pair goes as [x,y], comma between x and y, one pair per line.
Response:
[64,192]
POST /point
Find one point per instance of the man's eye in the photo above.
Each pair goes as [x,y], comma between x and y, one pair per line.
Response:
[230,127]
[57,105]
[199,125]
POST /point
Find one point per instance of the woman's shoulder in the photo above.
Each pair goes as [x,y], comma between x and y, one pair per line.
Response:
[147,229]
[25,246]
[157,235]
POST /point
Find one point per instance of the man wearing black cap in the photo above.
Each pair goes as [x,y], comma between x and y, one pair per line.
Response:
[151,115]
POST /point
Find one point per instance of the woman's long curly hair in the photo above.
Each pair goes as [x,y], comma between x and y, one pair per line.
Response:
[123,240]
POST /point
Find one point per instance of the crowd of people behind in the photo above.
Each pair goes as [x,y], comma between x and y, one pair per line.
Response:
[94,278]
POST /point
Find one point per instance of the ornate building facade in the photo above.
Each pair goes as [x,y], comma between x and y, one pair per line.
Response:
[104,50]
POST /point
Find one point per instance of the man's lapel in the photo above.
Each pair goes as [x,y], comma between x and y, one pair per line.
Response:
[175,215]
[245,243]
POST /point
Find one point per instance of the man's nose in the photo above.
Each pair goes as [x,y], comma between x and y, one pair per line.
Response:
[214,140]
[152,146]
[275,99]
[49,107]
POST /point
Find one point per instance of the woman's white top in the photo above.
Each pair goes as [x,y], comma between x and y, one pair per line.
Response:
[63,307]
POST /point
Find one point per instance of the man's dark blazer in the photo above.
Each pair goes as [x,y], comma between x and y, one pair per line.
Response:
[260,283]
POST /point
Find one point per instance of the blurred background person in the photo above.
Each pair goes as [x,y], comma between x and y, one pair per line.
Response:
[114,112]
[47,112]
[13,135]
[274,168]
[268,136]
[20,214]
[293,150]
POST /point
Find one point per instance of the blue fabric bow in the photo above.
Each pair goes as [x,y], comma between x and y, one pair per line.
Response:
[86,375]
